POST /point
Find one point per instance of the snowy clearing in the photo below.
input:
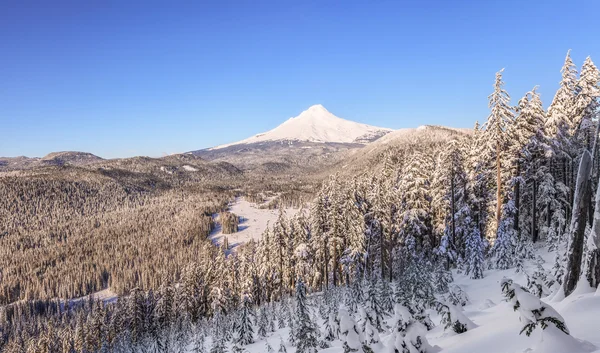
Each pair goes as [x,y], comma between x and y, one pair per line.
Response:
[253,222]
[105,295]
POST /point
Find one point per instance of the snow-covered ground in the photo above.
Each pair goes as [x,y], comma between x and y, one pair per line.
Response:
[497,324]
[253,222]
[105,295]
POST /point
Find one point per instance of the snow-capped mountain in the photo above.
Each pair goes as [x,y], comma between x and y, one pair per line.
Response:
[317,124]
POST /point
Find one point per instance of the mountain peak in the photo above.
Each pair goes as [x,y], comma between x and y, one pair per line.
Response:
[317,108]
[317,124]
[317,112]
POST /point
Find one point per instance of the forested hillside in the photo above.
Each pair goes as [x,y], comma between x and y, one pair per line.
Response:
[374,255]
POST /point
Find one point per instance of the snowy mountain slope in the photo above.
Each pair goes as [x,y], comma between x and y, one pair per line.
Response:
[317,124]
[371,156]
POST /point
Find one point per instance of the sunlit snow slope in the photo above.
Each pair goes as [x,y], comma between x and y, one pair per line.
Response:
[317,124]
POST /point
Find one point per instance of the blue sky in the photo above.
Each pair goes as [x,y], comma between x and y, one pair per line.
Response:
[152,78]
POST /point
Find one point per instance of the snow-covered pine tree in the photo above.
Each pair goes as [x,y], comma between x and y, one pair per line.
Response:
[282,348]
[268,347]
[453,318]
[354,297]
[480,177]
[244,331]
[415,340]
[135,315]
[331,327]
[369,332]
[560,112]
[530,129]
[533,311]
[199,340]
[495,134]
[536,315]
[374,310]
[349,333]
[456,296]
[586,101]
[475,249]
[319,241]
[304,331]
[503,250]
[416,200]
[263,322]
[441,278]
[164,315]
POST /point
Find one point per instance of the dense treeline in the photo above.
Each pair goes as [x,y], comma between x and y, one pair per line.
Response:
[229,222]
[66,236]
[43,200]
[479,201]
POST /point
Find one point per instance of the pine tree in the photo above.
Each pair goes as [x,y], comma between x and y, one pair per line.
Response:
[374,309]
[349,333]
[533,312]
[331,326]
[244,331]
[475,252]
[263,323]
[586,99]
[504,248]
[495,133]
[199,341]
[453,318]
[305,332]
[282,348]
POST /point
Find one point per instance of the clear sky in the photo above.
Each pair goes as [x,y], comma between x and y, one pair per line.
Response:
[124,78]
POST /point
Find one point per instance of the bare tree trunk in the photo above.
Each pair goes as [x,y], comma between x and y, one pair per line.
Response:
[593,273]
[326,269]
[498,186]
[578,223]
[382,254]
[534,230]
[452,206]
[517,202]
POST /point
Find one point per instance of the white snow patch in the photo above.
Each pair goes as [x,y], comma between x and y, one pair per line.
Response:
[189,168]
[105,295]
[164,169]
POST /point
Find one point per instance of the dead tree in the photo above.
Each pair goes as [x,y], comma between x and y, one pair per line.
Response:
[583,197]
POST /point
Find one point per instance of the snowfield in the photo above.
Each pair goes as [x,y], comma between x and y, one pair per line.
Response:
[253,222]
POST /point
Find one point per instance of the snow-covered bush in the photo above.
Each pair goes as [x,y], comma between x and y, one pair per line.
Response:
[349,333]
[533,311]
[457,296]
[454,319]
[537,316]
[413,340]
